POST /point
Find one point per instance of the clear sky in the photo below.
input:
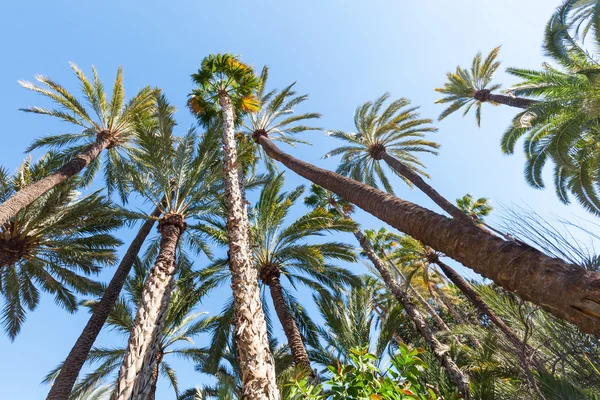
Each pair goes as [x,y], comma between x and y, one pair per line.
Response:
[342,53]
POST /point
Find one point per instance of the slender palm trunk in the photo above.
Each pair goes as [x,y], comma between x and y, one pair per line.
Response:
[292,333]
[517,102]
[30,193]
[448,304]
[135,376]
[565,290]
[155,374]
[63,385]
[440,351]
[486,310]
[256,361]
[423,186]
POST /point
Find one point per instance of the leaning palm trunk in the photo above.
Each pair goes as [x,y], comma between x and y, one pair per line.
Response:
[30,193]
[420,183]
[292,333]
[440,351]
[517,102]
[63,385]
[155,374]
[135,376]
[256,361]
[565,290]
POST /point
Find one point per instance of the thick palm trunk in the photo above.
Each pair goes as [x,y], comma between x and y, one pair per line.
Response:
[63,385]
[135,376]
[423,186]
[292,333]
[255,358]
[30,193]
[440,351]
[517,102]
[565,290]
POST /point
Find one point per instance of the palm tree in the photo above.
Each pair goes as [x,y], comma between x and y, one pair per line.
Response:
[401,296]
[50,244]
[468,88]
[177,175]
[394,136]
[566,287]
[112,130]
[224,81]
[182,325]
[282,250]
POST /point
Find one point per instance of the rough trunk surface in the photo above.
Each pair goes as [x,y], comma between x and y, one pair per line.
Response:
[63,385]
[155,374]
[423,186]
[517,102]
[565,290]
[135,376]
[292,333]
[256,361]
[30,193]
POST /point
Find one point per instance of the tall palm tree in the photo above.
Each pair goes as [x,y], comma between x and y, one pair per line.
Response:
[468,88]
[109,125]
[565,287]
[282,250]
[182,325]
[455,374]
[177,175]
[227,86]
[51,244]
[394,136]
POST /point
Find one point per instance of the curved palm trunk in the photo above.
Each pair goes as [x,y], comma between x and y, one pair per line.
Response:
[486,310]
[63,385]
[256,361]
[565,290]
[135,376]
[440,351]
[517,102]
[423,186]
[292,333]
[30,193]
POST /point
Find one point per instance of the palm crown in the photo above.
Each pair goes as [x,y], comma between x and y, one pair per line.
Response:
[50,242]
[113,117]
[462,87]
[397,130]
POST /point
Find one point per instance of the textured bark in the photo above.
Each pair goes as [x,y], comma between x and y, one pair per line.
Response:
[423,186]
[292,333]
[486,310]
[63,385]
[255,358]
[440,351]
[30,193]
[135,376]
[565,290]
[155,374]
[517,102]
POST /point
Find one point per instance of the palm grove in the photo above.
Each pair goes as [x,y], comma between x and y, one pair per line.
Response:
[409,327]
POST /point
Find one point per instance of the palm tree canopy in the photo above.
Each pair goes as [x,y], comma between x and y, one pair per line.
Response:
[183,324]
[462,86]
[97,116]
[397,129]
[49,244]
[223,74]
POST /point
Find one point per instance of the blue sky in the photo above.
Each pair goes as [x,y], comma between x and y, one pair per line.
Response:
[342,53]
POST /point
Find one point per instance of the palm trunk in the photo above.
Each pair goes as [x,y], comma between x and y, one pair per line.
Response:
[448,304]
[135,376]
[30,193]
[256,361]
[440,351]
[423,186]
[155,374]
[517,102]
[565,290]
[63,385]
[292,333]
[486,310]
